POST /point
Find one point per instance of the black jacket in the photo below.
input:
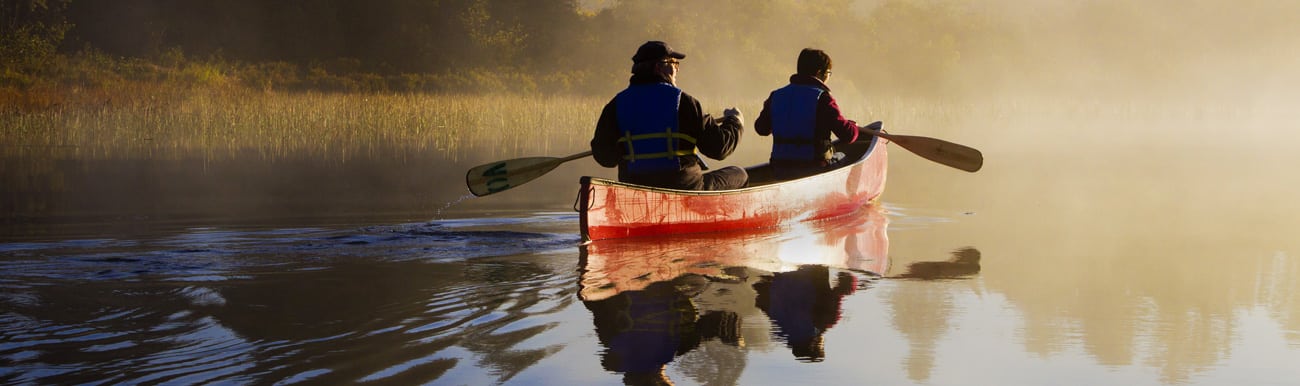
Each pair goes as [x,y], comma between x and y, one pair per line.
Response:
[714,138]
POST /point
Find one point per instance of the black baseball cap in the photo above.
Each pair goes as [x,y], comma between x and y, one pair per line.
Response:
[655,50]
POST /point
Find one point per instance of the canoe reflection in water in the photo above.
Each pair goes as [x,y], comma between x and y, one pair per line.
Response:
[656,299]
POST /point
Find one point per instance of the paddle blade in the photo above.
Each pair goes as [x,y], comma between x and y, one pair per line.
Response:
[937,150]
[502,175]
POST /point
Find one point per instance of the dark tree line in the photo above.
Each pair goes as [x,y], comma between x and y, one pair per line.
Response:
[30,32]
[385,35]
[894,47]
[734,45]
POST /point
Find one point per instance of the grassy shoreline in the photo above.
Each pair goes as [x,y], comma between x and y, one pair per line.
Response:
[229,123]
[217,118]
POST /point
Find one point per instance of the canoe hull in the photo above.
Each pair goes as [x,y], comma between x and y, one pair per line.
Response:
[610,209]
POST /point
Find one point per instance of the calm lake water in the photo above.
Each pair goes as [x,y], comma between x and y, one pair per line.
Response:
[1100,245]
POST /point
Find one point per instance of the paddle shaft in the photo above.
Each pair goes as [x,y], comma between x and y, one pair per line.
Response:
[573,157]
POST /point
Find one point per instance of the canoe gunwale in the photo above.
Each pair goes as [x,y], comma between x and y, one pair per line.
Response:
[865,154]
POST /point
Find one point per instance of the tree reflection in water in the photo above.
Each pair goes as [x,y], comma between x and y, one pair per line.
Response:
[922,314]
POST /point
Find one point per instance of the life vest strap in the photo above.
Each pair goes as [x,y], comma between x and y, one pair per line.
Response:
[668,135]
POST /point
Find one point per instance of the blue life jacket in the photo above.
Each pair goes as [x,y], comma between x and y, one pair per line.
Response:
[794,122]
[647,114]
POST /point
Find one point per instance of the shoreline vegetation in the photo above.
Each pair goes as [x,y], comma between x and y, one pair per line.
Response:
[198,110]
[92,106]
[170,120]
[335,78]
[89,105]
[161,79]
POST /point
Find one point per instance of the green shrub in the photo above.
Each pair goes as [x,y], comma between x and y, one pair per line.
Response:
[270,76]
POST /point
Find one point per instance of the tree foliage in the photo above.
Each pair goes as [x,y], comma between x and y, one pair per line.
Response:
[30,31]
[734,46]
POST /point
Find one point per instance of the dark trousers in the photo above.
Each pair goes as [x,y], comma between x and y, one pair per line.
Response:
[691,178]
[731,177]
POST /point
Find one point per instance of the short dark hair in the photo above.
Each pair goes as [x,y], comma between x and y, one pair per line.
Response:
[812,61]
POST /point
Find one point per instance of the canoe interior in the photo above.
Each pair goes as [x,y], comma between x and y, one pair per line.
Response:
[761,174]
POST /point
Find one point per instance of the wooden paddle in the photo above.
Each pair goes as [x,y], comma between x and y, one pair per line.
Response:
[937,150]
[501,175]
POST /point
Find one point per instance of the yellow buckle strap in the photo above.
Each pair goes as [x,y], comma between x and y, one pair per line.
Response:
[667,135]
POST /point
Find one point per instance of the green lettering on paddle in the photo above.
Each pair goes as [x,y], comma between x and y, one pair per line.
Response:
[496,170]
[498,184]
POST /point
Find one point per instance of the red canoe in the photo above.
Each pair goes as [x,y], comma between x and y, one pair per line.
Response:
[610,209]
[857,242]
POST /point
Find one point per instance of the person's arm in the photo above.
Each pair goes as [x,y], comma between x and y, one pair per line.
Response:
[763,126]
[604,145]
[715,138]
[829,116]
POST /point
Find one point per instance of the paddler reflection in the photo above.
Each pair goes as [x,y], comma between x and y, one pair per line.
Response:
[655,300]
[643,331]
[803,304]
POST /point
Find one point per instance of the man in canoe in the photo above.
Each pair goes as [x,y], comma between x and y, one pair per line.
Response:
[652,130]
[801,117]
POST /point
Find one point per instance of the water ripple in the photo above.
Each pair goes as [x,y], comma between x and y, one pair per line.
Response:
[206,255]
[404,303]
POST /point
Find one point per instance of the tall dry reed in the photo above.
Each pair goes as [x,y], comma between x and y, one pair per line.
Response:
[223,123]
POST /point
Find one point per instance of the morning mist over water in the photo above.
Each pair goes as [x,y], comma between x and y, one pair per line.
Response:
[293,210]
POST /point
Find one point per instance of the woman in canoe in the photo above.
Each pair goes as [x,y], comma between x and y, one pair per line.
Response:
[801,117]
[652,130]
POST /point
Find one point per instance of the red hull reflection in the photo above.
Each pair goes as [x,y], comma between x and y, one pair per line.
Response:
[856,242]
